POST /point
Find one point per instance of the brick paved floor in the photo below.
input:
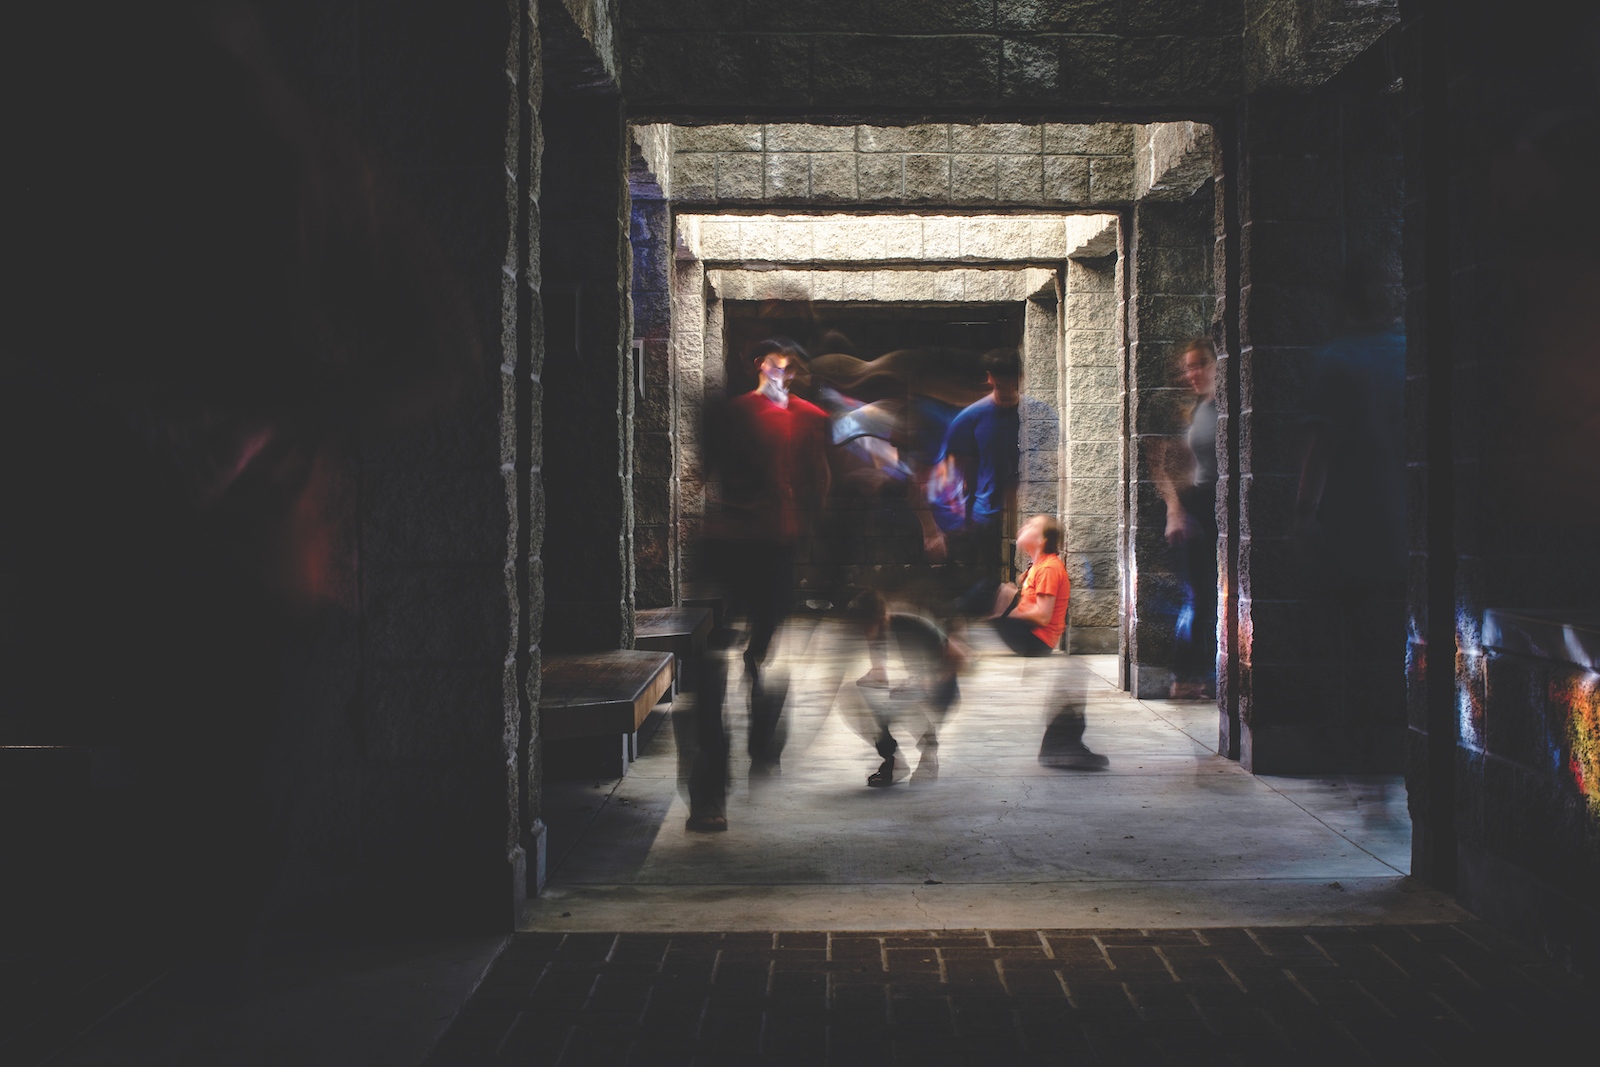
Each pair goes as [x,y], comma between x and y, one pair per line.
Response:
[1458,994]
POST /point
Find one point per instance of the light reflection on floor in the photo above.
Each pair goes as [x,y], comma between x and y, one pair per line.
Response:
[1170,834]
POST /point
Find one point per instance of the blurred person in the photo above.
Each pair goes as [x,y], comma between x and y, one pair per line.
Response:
[766,450]
[1030,618]
[921,701]
[984,446]
[1187,479]
[1350,505]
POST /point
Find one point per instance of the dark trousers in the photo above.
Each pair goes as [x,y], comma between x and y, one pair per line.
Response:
[760,576]
[1197,652]
[922,649]
[975,552]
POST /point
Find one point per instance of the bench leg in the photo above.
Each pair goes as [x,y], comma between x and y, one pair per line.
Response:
[573,758]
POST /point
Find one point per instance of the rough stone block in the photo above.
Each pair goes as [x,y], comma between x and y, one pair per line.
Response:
[928,138]
[411,516]
[727,138]
[995,238]
[1095,607]
[1092,348]
[801,137]
[1090,276]
[941,239]
[1089,67]
[652,501]
[1110,179]
[1093,422]
[719,240]
[880,177]
[949,285]
[1177,270]
[1066,179]
[1003,138]
[448,613]
[1091,311]
[739,177]
[1091,534]
[1093,385]
[1172,318]
[434,713]
[889,286]
[902,238]
[788,175]
[1047,237]
[1030,70]
[1092,458]
[833,176]
[927,177]
[973,178]
[858,285]
[1021,179]
[1092,496]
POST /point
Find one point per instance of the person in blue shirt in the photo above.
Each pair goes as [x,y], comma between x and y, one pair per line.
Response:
[984,444]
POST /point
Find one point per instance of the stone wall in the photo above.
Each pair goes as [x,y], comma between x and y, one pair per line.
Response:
[1500,261]
[1093,468]
[655,423]
[680,57]
[1173,299]
[1043,165]
[1322,686]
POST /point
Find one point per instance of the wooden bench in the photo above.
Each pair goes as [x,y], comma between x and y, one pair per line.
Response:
[708,597]
[681,631]
[591,705]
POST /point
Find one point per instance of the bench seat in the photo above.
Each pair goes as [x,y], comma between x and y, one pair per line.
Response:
[680,631]
[591,705]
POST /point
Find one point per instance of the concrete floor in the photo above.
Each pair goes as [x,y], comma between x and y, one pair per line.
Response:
[1169,835]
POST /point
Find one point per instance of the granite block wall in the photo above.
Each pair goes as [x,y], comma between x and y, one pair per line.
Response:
[655,422]
[1092,464]
[1077,56]
[1043,165]
[1321,676]
[1172,299]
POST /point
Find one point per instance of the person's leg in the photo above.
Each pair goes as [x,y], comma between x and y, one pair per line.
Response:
[772,592]
[1019,637]
[1062,745]
[708,781]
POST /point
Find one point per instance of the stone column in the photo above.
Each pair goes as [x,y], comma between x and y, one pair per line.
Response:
[1039,471]
[655,478]
[1172,300]
[1093,455]
[1321,680]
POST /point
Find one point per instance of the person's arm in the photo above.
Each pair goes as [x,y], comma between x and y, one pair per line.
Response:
[932,537]
[1163,460]
[1036,609]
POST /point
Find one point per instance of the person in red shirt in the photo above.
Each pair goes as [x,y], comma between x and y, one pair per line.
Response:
[1030,617]
[766,451]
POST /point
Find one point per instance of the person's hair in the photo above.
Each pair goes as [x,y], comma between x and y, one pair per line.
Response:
[1203,345]
[1049,532]
[787,346]
[1002,363]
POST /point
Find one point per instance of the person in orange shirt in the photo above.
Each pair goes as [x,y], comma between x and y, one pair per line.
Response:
[1030,618]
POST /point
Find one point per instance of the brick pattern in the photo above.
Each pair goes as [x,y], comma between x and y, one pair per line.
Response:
[1236,996]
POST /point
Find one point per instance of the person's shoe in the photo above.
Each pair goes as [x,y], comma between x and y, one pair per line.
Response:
[889,773]
[927,766]
[1075,759]
[766,768]
[706,823]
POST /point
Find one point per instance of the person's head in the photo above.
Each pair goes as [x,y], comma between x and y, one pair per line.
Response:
[1004,371]
[1197,367]
[1040,536]
[778,359]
